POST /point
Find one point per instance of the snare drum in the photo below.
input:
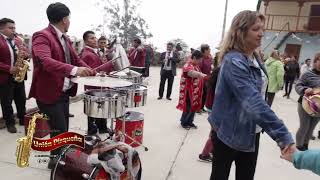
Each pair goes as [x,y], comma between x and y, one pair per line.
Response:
[136,95]
[133,127]
[72,165]
[104,103]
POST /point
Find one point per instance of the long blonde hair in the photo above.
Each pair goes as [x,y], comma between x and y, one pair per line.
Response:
[235,38]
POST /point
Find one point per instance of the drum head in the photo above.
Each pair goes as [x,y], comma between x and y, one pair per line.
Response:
[101,81]
[103,93]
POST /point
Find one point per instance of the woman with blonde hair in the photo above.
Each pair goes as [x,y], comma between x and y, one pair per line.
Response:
[240,111]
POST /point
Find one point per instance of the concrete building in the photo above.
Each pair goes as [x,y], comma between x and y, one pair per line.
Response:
[292,27]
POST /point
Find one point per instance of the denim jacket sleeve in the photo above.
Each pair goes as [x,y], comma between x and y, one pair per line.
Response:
[241,83]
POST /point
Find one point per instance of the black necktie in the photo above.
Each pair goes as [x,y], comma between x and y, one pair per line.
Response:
[13,49]
[168,61]
[66,50]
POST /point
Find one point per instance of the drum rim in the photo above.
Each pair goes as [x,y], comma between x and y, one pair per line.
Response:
[120,94]
[60,157]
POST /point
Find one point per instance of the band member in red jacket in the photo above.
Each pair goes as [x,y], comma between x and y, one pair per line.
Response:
[137,56]
[55,62]
[91,57]
[11,48]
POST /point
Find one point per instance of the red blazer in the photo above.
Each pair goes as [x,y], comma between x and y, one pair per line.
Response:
[50,67]
[137,57]
[5,58]
[93,60]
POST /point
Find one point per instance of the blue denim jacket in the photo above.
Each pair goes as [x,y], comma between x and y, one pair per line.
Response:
[238,106]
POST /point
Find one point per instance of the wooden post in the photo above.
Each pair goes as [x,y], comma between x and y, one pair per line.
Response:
[266,4]
[224,20]
[300,4]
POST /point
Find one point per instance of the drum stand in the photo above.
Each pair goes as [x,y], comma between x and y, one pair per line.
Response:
[123,134]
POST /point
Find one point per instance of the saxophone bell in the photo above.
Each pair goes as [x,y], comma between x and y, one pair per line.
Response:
[24,143]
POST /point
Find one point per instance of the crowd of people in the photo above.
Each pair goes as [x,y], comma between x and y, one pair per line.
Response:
[242,88]
[237,87]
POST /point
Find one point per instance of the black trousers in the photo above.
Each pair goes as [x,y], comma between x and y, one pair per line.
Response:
[58,114]
[187,117]
[224,156]
[270,98]
[10,91]
[96,123]
[166,75]
[204,96]
[146,70]
[288,84]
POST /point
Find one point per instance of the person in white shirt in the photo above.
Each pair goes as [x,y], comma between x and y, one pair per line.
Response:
[306,66]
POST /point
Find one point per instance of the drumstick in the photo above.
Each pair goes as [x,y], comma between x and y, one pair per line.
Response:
[104,64]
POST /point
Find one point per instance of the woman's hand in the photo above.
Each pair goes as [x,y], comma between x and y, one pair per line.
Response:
[308,91]
[287,152]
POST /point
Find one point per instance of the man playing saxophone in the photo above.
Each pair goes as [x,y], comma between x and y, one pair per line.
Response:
[9,68]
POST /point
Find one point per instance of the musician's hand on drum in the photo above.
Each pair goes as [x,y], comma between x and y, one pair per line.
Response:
[308,91]
[84,71]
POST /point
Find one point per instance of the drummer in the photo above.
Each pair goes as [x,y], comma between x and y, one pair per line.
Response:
[55,61]
[91,56]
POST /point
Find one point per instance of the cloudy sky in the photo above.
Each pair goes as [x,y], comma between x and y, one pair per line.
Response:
[194,21]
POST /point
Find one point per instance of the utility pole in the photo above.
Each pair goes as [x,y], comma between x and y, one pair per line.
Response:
[224,20]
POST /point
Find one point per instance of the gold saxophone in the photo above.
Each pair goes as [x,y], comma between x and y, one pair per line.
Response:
[21,64]
[24,143]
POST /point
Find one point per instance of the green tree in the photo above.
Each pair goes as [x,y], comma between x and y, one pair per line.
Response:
[184,46]
[121,19]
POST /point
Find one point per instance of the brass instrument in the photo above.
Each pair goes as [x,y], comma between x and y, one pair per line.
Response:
[22,65]
[24,143]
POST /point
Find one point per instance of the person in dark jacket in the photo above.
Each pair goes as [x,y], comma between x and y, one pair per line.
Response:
[305,85]
[168,60]
[292,71]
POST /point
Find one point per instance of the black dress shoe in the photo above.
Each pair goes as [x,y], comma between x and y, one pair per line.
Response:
[193,126]
[71,115]
[12,129]
[169,98]
[185,127]
[159,98]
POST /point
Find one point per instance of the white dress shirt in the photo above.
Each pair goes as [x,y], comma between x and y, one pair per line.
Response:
[67,83]
[168,56]
[10,49]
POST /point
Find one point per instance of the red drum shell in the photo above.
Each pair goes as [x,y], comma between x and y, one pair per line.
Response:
[133,127]
[75,164]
